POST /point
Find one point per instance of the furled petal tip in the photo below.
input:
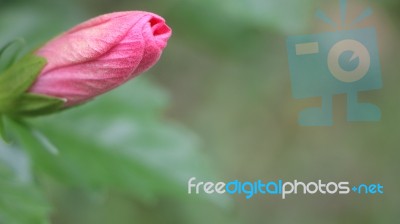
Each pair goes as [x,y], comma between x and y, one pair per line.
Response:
[101,54]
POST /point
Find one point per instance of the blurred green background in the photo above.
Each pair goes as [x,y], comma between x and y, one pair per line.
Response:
[217,106]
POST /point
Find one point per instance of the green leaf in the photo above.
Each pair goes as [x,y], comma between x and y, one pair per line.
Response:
[18,78]
[20,200]
[35,105]
[120,141]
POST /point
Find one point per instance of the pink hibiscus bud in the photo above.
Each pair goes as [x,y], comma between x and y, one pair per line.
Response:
[100,54]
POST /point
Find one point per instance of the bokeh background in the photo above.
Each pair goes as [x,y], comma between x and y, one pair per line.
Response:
[217,106]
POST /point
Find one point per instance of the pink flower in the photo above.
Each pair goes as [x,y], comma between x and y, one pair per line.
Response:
[100,54]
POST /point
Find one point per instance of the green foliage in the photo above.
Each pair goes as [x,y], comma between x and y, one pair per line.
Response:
[118,142]
[20,200]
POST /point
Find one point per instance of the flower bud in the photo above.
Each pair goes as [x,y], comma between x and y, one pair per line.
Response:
[100,54]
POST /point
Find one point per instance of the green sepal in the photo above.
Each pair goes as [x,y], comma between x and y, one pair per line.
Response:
[35,105]
[17,79]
